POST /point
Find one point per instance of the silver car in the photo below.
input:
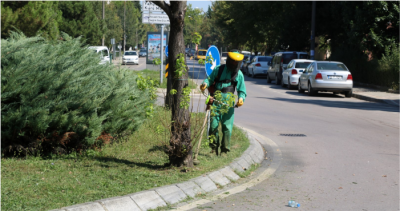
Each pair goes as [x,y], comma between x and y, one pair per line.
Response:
[326,76]
[291,73]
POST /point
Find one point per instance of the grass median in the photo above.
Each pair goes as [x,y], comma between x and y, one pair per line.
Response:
[155,75]
[134,163]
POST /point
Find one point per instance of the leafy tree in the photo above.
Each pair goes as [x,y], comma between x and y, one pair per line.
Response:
[31,18]
[180,149]
[79,19]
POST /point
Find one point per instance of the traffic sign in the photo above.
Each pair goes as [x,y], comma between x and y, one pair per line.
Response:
[212,51]
[166,50]
[150,6]
[155,18]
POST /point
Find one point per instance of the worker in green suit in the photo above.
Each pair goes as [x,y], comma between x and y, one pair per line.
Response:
[226,78]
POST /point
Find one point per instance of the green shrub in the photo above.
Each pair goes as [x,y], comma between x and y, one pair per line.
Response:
[383,72]
[57,98]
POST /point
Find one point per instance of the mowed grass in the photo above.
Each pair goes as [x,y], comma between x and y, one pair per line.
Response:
[128,166]
[155,75]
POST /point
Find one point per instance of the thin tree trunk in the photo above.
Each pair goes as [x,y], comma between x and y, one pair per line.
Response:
[180,149]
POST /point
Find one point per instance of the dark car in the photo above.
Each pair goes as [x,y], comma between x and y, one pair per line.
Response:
[246,63]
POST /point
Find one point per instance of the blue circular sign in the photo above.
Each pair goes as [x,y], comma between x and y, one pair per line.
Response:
[166,51]
[212,51]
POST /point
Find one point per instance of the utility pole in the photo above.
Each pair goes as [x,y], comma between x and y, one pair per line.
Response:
[102,40]
[124,25]
[312,40]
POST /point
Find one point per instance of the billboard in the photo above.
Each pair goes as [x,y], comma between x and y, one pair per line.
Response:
[154,46]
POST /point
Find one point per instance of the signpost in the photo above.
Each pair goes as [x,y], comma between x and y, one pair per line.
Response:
[156,18]
[212,51]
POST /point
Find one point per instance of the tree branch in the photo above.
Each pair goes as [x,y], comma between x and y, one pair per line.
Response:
[163,6]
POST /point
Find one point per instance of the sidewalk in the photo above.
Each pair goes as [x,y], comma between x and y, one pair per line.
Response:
[375,95]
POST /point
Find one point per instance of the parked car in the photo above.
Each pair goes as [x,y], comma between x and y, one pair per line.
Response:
[259,65]
[280,61]
[130,57]
[187,50]
[103,52]
[142,53]
[191,52]
[246,63]
[224,55]
[326,76]
[292,72]
[244,60]
[201,54]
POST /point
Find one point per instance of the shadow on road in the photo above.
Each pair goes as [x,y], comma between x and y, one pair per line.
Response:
[339,104]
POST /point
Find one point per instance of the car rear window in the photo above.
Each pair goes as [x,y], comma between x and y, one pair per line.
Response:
[224,54]
[264,59]
[331,66]
[288,57]
[130,53]
[202,53]
[302,64]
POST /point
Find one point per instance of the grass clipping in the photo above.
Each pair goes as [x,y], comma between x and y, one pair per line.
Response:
[124,167]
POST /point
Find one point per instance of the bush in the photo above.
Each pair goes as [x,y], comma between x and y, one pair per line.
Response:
[57,98]
[383,72]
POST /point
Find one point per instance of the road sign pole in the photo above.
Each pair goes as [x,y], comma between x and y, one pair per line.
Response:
[162,52]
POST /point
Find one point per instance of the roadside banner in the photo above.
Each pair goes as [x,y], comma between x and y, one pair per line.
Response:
[212,51]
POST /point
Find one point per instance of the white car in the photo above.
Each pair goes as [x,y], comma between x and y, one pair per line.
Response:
[326,76]
[130,57]
[224,55]
[103,52]
[259,65]
[291,73]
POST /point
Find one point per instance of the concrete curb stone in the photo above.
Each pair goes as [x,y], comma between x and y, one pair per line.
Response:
[124,203]
[90,206]
[243,163]
[205,183]
[148,200]
[228,173]
[218,178]
[235,165]
[190,188]
[171,194]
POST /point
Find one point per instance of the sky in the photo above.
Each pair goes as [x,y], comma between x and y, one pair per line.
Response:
[200,4]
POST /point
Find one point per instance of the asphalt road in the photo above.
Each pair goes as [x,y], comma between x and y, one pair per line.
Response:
[348,159]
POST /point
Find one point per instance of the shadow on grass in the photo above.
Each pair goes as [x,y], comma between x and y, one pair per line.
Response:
[145,164]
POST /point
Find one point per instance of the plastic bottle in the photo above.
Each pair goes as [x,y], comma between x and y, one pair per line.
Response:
[293,204]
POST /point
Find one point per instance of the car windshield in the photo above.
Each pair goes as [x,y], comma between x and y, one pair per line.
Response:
[142,50]
[331,66]
[202,53]
[302,64]
[224,54]
[288,57]
[130,53]
[264,59]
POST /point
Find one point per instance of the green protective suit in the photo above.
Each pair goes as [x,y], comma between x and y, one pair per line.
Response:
[225,119]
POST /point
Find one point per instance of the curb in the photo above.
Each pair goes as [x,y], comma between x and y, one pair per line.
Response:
[372,99]
[172,194]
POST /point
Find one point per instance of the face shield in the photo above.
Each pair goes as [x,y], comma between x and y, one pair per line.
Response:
[234,62]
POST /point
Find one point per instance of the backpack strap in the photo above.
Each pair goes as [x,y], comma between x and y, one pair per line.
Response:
[220,70]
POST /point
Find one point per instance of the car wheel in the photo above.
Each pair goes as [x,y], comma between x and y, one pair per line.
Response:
[289,86]
[311,91]
[252,74]
[348,93]
[299,88]
[268,79]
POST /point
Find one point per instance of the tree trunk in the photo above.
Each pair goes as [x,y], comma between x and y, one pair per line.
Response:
[180,149]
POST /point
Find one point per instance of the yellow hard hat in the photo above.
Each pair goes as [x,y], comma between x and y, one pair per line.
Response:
[236,56]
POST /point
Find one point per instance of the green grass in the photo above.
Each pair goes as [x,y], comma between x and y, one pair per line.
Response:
[124,167]
[155,75]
